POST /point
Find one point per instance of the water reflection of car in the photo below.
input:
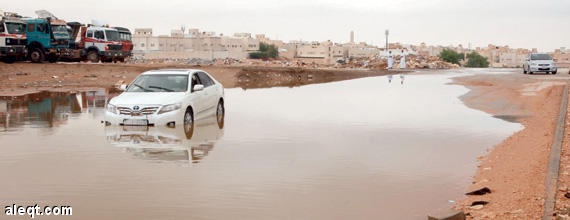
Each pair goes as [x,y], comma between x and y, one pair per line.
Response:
[539,62]
[168,97]
[167,144]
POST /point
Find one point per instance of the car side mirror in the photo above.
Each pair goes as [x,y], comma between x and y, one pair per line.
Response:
[198,87]
[123,87]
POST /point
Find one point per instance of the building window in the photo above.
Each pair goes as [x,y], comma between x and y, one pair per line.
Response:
[142,44]
[152,44]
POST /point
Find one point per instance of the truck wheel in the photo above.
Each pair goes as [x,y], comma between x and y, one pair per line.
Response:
[37,55]
[93,56]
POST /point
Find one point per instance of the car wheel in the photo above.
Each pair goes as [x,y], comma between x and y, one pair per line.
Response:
[220,113]
[188,123]
[554,72]
[93,57]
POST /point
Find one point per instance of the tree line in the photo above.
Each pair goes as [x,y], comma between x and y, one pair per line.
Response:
[474,59]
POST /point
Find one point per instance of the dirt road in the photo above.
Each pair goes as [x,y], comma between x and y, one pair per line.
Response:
[515,169]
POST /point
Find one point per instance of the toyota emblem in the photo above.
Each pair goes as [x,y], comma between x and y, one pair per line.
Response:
[136,107]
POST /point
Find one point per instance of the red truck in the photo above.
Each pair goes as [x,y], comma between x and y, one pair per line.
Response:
[126,39]
[95,43]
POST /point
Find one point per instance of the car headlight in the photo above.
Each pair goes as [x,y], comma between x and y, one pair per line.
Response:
[112,108]
[169,108]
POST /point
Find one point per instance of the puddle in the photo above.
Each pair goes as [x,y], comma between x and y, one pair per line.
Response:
[356,149]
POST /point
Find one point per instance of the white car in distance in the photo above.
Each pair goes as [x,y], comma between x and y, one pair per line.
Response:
[168,97]
[539,62]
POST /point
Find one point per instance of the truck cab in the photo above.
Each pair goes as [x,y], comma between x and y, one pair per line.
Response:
[47,38]
[12,38]
[126,39]
[96,43]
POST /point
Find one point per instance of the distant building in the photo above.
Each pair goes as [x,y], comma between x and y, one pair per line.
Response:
[192,44]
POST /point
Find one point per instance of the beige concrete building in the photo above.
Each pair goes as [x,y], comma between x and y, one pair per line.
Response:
[192,44]
[503,56]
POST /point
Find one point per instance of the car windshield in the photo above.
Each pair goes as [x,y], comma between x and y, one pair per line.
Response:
[540,57]
[159,83]
[16,28]
[112,35]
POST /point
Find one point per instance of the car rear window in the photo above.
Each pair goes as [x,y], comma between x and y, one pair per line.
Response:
[540,57]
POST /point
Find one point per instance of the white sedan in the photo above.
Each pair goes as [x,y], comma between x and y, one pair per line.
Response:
[168,97]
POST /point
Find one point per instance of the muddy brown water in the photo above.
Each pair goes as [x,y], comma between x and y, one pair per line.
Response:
[357,149]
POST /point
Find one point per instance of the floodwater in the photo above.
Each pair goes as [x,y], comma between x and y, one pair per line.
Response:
[356,149]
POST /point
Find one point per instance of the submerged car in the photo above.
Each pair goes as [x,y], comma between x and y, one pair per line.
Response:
[539,62]
[168,97]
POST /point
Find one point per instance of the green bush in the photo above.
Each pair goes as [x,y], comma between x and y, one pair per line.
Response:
[476,60]
[450,56]
[265,51]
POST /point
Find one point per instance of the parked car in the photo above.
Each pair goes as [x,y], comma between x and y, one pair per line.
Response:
[539,62]
[168,97]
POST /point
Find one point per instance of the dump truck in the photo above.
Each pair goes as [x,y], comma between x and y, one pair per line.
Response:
[47,38]
[12,37]
[95,43]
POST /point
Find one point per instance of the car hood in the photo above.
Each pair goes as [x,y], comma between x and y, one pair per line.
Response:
[148,98]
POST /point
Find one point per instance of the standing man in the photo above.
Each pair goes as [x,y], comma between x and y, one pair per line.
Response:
[403,61]
[390,60]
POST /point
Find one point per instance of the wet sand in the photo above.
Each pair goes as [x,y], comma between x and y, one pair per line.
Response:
[23,78]
[515,169]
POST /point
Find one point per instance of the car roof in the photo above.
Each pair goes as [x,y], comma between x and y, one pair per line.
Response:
[173,71]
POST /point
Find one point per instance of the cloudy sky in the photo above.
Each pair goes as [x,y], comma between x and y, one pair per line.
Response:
[541,24]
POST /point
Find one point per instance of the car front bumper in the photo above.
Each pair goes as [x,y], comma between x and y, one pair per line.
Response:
[543,69]
[173,118]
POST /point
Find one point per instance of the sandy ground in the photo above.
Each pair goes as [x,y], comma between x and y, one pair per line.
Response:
[21,78]
[514,170]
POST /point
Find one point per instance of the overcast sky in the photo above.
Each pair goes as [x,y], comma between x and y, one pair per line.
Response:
[543,24]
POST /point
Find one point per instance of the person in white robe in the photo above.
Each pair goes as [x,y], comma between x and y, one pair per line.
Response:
[403,61]
[390,60]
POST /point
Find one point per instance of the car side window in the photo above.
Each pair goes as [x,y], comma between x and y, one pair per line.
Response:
[205,79]
[195,81]
[89,34]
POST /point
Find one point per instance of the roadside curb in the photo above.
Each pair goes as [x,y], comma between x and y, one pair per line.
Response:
[554,159]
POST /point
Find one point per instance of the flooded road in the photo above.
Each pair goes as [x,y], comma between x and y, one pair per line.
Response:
[358,149]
